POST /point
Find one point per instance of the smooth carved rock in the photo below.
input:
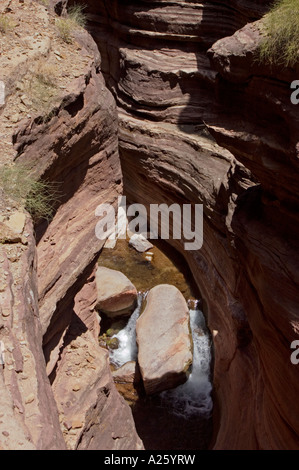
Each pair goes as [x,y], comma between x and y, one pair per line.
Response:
[77,148]
[247,269]
[83,144]
[116,294]
[164,339]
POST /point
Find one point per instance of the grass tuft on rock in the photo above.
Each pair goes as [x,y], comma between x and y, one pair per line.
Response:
[41,87]
[281,34]
[35,195]
[75,18]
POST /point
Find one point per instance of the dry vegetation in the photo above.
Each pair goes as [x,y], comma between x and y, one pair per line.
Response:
[40,86]
[38,70]
[67,25]
[36,195]
[281,34]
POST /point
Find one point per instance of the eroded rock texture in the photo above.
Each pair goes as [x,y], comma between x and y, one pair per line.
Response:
[28,413]
[222,133]
[75,146]
[93,415]
[198,121]
[263,135]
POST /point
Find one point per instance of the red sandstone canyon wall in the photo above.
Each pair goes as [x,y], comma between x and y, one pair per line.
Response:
[200,121]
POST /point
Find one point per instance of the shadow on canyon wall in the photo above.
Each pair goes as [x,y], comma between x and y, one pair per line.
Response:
[207,99]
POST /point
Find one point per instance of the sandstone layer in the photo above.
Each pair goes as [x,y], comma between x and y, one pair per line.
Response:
[224,134]
[28,412]
[92,414]
[69,141]
[198,120]
[128,373]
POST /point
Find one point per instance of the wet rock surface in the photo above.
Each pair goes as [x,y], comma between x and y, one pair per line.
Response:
[93,415]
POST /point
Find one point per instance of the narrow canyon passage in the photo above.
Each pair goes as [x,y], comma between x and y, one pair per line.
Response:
[163,102]
[190,130]
[199,122]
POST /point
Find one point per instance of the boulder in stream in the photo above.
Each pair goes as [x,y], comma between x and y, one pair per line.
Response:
[116,295]
[164,339]
[140,243]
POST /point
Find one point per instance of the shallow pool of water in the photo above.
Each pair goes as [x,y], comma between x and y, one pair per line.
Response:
[165,267]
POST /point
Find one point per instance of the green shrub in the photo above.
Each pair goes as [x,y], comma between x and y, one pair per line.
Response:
[281,34]
[35,195]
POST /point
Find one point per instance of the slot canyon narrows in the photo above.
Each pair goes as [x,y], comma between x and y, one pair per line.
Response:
[140,343]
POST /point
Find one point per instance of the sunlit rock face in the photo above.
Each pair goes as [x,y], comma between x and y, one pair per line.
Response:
[48,323]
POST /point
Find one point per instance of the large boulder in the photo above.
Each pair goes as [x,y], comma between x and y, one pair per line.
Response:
[164,339]
[115,293]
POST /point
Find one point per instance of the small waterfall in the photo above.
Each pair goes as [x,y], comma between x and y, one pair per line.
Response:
[127,348]
[194,396]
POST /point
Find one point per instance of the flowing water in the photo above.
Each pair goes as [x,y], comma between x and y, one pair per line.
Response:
[127,347]
[194,396]
[179,418]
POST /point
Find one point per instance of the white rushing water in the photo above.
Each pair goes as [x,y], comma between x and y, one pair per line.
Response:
[127,348]
[193,398]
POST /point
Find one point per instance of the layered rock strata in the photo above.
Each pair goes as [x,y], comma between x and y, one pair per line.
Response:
[222,133]
[28,412]
[225,135]
[93,415]
[73,145]
[263,135]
